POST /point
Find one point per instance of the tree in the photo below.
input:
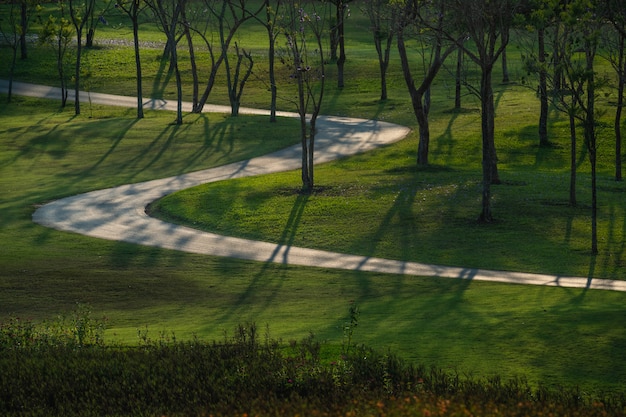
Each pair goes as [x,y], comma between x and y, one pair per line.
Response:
[427,20]
[505,67]
[486,24]
[58,34]
[616,42]
[79,15]
[541,16]
[272,13]
[337,38]
[304,30]
[226,16]
[11,32]
[167,14]
[580,18]
[546,18]
[383,17]
[94,19]
[27,8]
[133,9]
[235,82]
[458,79]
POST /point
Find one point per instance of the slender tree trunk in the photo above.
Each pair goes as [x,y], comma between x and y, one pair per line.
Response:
[594,205]
[543,90]
[458,79]
[272,50]
[174,64]
[383,60]
[572,175]
[192,62]
[557,58]
[212,77]
[272,76]
[384,68]
[311,153]
[417,102]
[138,64]
[424,138]
[24,24]
[60,67]
[341,61]
[505,67]
[590,138]
[307,184]
[237,81]
[179,91]
[487,124]
[620,105]
[91,33]
[12,72]
[77,72]
[269,26]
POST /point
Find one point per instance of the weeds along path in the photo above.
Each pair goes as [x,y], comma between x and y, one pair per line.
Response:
[119,213]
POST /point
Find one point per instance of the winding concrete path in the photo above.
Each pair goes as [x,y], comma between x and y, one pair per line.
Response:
[119,213]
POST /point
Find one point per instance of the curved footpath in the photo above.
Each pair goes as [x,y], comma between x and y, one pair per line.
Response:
[119,213]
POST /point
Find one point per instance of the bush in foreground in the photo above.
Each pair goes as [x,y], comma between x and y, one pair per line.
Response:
[66,369]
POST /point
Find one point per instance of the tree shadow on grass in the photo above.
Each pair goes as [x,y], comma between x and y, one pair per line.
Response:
[443,145]
[262,278]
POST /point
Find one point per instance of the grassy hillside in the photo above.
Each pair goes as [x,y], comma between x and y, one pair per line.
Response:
[549,335]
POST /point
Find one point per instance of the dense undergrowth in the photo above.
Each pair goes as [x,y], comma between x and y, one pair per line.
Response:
[66,369]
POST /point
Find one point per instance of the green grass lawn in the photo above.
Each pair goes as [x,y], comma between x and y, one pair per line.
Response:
[549,335]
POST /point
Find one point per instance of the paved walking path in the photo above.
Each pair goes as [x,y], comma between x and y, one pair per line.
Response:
[119,213]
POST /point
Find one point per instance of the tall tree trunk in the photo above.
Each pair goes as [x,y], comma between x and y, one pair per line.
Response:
[383,58]
[621,64]
[91,33]
[557,58]
[487,124]
[594,204]
[272,77]
[590,138]
[543,89]
[12,72]
[138,63]
[79,48]
[272,50]
[572,172]
[311,152]
[174,63]
[341,61]
[179,91]
[458,79]
[307,184]
[60,67]
[192,59]
[416,101]
[24,24]
[505,68]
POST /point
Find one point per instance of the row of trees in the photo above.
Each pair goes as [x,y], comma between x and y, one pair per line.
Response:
[562,40]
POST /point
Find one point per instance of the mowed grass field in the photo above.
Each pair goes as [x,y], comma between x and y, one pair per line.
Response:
[376,204]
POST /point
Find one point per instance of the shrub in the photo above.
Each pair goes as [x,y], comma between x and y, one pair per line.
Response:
[51,371]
